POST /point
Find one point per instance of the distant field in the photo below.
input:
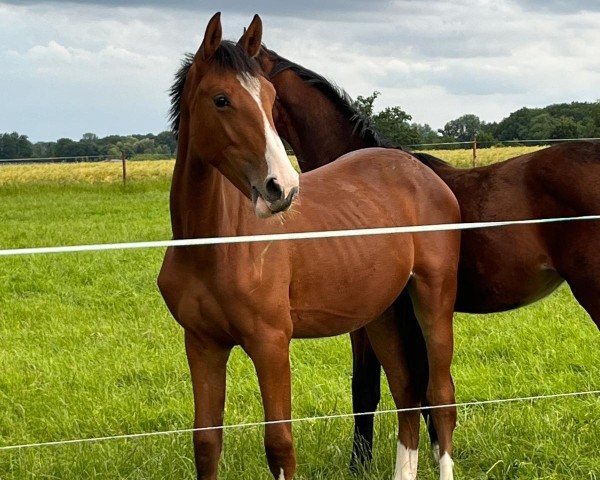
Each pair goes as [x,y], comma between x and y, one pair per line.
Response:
[111,172]
[85,173]
[463,158]
[88,349]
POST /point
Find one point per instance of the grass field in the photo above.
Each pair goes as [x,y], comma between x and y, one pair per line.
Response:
[463,158]
[87,349]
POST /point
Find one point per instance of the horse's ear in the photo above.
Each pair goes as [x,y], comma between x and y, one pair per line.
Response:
[252,37]
[212,37]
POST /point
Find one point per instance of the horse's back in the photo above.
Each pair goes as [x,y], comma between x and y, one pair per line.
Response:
[567,178]
[403,178]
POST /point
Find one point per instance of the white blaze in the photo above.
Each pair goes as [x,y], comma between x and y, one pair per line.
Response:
[406,463]
[277,160]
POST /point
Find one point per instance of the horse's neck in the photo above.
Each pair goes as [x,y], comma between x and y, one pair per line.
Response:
[319,132]
[203,202]
[314,127]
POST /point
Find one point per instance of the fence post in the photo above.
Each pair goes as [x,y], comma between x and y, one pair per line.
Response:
[124,162]
[474,149]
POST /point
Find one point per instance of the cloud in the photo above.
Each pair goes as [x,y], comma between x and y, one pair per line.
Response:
[106,66]
[559,6]
[305,9]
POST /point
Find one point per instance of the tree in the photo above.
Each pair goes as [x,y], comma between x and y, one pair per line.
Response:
[516,125]
[124,147]
[541,126]
[463,128]
[392,123]
[65,147]
[365,105]
[13,145]
[564,127]
[89,137]
[167,139]
[145,145]
[426,133]
[43,149]
[486,139]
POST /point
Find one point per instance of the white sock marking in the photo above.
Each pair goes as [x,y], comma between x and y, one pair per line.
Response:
[435,448]
[446,465]
[281,475]
[406,463]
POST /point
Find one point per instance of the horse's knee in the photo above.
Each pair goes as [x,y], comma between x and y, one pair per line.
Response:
[207,449]
[279,448]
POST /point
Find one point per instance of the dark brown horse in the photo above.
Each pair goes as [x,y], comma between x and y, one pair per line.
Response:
[261,295]
[499,269]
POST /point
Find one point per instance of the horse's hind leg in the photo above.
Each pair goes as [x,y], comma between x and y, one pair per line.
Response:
[433,298]
[389,347]
[579,264]
[207,361]
[366,393]
[416,352]
[588,295]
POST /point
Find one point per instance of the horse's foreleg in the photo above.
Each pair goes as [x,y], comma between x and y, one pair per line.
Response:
[433,301]
[366,392]
[270,354]
[389,346]
[207,360]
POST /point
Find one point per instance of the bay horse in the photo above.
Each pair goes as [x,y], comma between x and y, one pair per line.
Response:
[230,161]
[499,269]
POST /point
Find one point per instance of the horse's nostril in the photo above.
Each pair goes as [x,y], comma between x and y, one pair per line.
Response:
[273,189]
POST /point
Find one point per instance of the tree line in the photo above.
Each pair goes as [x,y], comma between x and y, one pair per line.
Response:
[559,121]
[163,145]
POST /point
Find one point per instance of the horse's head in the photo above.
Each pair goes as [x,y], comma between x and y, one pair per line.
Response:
[225,119]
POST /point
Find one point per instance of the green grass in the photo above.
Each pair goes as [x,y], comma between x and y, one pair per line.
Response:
[88,349]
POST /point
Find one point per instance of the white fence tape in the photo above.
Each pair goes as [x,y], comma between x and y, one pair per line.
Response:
[287,236]
[296,420]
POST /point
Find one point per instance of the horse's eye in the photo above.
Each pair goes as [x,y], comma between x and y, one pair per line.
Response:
[221,101]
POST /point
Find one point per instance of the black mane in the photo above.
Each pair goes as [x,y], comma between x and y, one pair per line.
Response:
[229,56]
[176,91]
[344,103]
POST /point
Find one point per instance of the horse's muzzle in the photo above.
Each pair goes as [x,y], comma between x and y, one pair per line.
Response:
[264,208]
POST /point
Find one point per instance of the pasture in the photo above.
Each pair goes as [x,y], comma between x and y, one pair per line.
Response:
[88,349]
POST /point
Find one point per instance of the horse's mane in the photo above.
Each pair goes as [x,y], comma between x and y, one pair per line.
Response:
[338,96]
[344,103]
[229,56]
[176,91]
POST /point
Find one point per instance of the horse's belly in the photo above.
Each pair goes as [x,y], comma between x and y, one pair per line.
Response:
[324,323]
[501,291]
[346,301]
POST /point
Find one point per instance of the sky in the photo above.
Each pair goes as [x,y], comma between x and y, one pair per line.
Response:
[105,66]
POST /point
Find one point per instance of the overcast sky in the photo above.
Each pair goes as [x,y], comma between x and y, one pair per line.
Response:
[105,66]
